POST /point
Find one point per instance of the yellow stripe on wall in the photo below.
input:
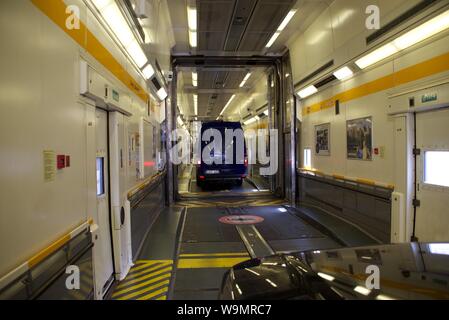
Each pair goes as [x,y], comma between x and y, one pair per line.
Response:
[413,73]
[56,11]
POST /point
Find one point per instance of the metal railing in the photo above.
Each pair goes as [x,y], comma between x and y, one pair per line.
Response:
[44,275]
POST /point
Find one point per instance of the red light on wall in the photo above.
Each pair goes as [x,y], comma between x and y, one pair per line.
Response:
[149,164]
[60,161]
[67,161]
[376,151]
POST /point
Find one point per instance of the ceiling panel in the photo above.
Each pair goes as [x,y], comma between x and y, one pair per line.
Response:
[268,15]
[214,15]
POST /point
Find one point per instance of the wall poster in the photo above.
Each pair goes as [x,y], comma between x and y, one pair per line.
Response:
[359,136]
[322,139]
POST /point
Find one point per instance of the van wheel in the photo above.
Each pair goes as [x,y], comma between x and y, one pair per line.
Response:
[239,182]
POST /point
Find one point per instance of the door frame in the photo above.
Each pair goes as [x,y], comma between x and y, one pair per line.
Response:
[275,98]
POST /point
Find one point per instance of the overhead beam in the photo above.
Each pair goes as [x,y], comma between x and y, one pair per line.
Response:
[194,90]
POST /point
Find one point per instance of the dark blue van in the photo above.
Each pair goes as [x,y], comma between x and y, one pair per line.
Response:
[216,171]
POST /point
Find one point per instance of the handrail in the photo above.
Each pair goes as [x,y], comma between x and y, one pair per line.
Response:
[43,254]
[363,181]
[145,183]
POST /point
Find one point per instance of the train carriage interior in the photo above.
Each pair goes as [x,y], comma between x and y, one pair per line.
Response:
[224,150]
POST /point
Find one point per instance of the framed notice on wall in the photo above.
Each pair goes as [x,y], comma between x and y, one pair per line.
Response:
[359,137]
[322,139]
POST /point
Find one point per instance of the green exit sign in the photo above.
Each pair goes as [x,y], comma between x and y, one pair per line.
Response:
[115,96]
[429,97]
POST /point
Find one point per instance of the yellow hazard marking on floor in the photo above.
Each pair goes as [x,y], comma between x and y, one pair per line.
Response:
[230,203]
[146,265]
[195,263]
[154,294]
[148,279]
[154,290]
[136,275]
[235,254]
[144,277]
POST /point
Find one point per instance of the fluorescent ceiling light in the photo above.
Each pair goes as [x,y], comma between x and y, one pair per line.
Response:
[192,18]
[121,30]
[326,276]
[227,104]
[195,104]
[162,94]
[245,79]
[343,73]
[266,112]
[148,71]
[287,19]
[424,31]
[195,79]
[376,56]
[304,93]
[414,36]
[273,39]
[362,290]
[439,248]
[192,39]
[252,120]
[192,22]
[281,27]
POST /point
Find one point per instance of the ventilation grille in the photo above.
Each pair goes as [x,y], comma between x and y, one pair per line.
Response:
[325,81]
[156,84]
[399,20]
[315,73]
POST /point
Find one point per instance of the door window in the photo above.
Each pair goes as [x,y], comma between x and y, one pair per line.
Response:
[436,171]
[100,176]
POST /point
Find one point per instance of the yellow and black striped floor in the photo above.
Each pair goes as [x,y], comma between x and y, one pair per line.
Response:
[147,280]
[254,202]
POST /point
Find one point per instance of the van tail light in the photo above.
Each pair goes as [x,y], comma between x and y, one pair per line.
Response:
[199,162]
[246,161]
[202,177]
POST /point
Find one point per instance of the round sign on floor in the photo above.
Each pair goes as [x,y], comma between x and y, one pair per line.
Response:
[245,219]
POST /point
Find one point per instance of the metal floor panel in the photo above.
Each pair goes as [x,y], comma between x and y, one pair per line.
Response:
[213,247]
[202,225]
[160,242]
[222,188]
[198,279]
[303,244]
[207,248]
[281,225]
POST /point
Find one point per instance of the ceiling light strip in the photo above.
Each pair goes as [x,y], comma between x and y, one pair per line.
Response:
[424,31]
[226,106]
[192,20]
[245,79]
[281,27]
[113,17]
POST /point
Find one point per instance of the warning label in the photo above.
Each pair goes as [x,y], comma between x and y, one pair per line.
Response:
[241,219]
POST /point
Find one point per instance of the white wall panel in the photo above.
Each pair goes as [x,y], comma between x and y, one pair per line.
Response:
[40,109]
